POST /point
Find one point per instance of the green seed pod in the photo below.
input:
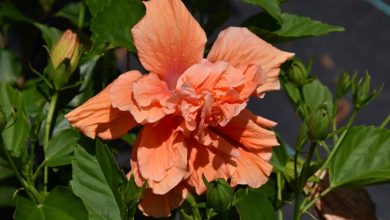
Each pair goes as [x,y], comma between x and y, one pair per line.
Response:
[298,73]
[319,124]
[3,120]
[219,195]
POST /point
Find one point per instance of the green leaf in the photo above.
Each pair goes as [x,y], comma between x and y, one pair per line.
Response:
[49,34]
[294,27]
[10,67]
[315,94]
[254,206]
[60,148]
[60,204]
[270,6]
[91,184]
[16,132]
[7,196]
[71,12]
[111,24]
[362,157]
[279,157]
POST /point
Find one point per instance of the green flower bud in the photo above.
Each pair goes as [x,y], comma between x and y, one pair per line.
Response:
[319,123]
[361,92]
[64,58]
[298,73]
[219,195]
[3,120]
[344,84]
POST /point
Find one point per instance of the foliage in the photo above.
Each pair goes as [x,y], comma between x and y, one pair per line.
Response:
[49,170]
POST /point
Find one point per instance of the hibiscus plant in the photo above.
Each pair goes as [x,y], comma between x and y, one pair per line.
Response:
[170,135]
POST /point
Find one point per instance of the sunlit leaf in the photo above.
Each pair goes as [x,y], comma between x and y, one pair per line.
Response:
[270,6]
[279,157]
[362,158]
[294,27]
[112,22]
[91,183]
[315,93]
[60,204]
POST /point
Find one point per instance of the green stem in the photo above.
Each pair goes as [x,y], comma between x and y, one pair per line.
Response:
[351,120]
[385,122]
[302,180]
[319,196]
[32,193]
[80,21]
[49,121]
[280,199]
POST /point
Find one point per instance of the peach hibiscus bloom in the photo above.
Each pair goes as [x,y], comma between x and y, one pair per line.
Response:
[192,109]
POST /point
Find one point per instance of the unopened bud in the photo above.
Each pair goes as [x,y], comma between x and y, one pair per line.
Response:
[3,120]
[361,92]
[219,195]
[64,59]
[344,84]
[298,73]
[67,47]
[319,124]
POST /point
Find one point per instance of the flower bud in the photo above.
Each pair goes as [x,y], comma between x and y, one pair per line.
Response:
[344,84]
[64,58]
[67,47]
[298,73]
[3,120]
[319,123]
[361,92]
[219,195]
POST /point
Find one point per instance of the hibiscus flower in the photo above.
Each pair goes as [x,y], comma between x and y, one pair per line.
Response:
[193,110]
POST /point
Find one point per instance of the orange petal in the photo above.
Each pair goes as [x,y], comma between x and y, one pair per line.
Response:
[252,170]
[168,39]
[162,155]
[97,117]
[239,46]
[121,91]
[150,89]
[250,131]
[211,77]
[206,161]
[161,205]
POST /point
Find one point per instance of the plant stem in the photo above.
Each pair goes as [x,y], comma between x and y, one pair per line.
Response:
[385,122]
[49,121]
[319,196]
[80,21]
[280,199]
[32,193]
[302,180]
[351,120]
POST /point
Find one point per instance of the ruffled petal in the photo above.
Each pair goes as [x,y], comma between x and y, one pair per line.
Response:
[207,161]
[252,170]
[161,155]
[97,117]
[161,205]
[168,39]
[121,92]
[250,131]
[239,46]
